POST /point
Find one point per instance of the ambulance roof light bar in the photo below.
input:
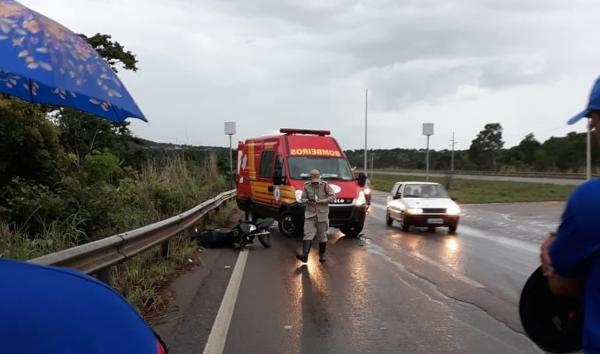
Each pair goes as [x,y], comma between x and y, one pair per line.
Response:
[304,131]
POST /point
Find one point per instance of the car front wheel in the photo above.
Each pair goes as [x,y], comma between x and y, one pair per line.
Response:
[452,228]
[405,223]
[388,219]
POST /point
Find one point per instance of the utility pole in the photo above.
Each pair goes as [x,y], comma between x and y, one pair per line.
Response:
[366,101]
[452,155]
[372,157]
[588,166]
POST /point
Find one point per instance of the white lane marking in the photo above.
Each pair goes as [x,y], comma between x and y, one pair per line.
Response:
[218,333]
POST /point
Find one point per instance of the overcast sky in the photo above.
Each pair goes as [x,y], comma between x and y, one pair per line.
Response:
[267,64]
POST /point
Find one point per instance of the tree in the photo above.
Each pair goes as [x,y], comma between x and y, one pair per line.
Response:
[82,133]
[29,144]
[112,51]
[527,147]
[484,148]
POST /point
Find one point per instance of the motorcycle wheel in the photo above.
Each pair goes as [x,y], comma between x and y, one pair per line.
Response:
[265,240]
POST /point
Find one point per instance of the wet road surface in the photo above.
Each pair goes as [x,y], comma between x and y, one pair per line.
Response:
[388,292]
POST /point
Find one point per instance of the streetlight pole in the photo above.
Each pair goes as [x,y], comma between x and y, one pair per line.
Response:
[230,157]
[452,155]
[427,161]
[427,131]
[230,130]
[366,102]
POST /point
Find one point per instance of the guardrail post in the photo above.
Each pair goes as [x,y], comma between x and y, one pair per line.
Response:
[104,275]
[165,248]
[190,232]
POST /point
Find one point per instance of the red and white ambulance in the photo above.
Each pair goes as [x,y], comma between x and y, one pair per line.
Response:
[272,170]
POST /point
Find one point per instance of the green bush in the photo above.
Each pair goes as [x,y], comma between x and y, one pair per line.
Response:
[30,205]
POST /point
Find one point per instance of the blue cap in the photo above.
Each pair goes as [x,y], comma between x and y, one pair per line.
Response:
[593,104]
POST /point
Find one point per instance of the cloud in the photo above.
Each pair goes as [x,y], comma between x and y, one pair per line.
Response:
[285,63]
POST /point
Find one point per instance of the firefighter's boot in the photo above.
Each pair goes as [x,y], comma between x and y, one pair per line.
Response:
[322,247]
[305,250]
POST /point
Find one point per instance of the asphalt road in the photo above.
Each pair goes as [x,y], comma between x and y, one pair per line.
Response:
[564,181]
[389,292]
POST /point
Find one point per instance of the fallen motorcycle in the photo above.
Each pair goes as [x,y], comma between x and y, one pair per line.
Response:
[239,236]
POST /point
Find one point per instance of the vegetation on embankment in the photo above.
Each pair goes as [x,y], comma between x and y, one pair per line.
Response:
[143,279]
[68,178]
[154,194]
[476,191]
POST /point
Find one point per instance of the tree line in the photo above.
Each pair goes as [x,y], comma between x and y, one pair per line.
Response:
[67,176]
[487,153]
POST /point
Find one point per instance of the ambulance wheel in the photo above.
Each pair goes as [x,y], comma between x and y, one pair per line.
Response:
[287,226]
[352,230]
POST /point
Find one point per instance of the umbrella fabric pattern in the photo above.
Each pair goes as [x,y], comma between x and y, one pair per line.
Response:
[41,61]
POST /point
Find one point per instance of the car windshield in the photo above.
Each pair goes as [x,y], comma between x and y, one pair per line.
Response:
[330,168]
[425,191]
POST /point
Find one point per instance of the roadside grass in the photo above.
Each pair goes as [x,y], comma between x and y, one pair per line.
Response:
[475,191]
[158,192]
[143,280]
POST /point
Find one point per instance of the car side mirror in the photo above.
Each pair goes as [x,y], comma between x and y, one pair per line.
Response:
[278,179]
[398,196]
[362,179]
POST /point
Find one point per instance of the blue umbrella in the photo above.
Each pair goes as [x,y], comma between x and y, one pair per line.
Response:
[47,310]
[43,62]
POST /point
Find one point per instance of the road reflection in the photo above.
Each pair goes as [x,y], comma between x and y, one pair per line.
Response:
[451,251]
[446,248]
[314,295]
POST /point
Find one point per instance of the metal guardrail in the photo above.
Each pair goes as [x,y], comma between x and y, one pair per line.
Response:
[98,256]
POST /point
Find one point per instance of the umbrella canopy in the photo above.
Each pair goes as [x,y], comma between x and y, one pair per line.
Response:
[43,62]
[57,310]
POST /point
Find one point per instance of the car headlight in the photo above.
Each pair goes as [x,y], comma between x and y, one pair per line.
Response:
[299,196]
[453,210]
[361,200]
[414,211]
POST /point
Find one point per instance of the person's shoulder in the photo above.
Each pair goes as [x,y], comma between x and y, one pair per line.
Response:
[591,186]
[586,193]
[306,183]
